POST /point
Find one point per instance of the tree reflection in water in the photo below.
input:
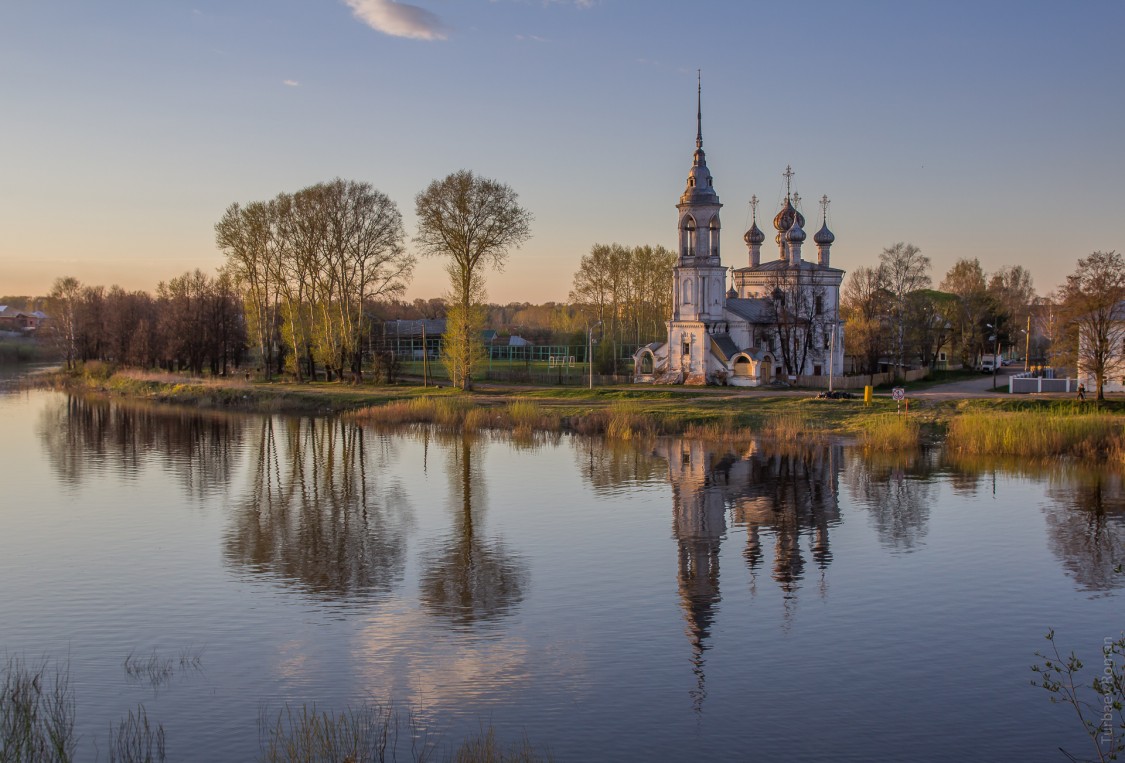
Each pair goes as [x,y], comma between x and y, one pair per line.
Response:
[897,491]
[1086,528]
[315,516]
[84,436]
[470,579]
[1084,510]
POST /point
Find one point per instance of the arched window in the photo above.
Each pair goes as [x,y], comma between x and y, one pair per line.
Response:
[714,231]
[688,237]
[688,291]
[647,363]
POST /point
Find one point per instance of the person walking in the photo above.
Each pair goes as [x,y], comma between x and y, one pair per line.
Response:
[1081,391]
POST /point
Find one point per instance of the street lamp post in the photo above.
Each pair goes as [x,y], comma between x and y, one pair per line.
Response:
[590,350]
[996,357]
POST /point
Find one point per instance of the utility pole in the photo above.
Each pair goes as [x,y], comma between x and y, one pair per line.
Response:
[425,357]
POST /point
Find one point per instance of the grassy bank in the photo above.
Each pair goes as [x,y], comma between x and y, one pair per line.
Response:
[1032,427]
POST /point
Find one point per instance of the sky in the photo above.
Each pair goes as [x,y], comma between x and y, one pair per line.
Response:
[985,129]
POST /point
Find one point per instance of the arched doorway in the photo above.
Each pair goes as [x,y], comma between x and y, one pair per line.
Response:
[742,367]
[646,363]
[765,370]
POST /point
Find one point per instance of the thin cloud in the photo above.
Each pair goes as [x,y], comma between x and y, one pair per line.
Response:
[399,19]
[531,37]
[290,83]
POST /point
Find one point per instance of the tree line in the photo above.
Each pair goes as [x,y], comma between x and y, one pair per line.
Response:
[894,316]
[193,323]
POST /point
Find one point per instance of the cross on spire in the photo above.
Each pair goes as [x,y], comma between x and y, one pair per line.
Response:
[796,198]
[788,175]
[699,108]
[824,202]
[754,207]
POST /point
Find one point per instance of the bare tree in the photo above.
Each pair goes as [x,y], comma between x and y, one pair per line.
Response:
[64,299]
[863,307]
[906,270]
[1093,303]
[798,318]
[474,222]
[972,309]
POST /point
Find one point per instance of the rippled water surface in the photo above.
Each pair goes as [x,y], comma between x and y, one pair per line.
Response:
[675,601]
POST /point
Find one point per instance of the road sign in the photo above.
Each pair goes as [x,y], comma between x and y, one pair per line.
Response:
[898,393]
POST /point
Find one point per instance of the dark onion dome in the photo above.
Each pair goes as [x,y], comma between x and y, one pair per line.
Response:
[731,293]
[784,219]
[796,234]
[754,235]
[824,236]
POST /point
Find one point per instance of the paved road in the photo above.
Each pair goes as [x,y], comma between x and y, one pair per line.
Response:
[981,387]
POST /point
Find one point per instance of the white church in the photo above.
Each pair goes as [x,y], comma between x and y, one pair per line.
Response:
[779,319]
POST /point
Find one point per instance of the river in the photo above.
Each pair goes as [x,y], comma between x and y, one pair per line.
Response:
[608,601]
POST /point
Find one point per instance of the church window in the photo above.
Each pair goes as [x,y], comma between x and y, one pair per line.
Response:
[688,291]
[687,348]
[819,304]
[689,236]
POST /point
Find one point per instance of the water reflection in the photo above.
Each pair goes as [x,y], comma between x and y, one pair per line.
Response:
[470,578]
[322,510]
[1086,528]
[897,490]
[789,495]
[83,436]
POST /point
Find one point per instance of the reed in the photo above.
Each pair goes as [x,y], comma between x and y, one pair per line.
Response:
[1095,436]
[786,426]
[891,432]
[365,733]
[626,421]
[133,740]
[36,713]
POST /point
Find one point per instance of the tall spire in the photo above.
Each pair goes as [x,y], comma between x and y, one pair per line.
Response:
[699,109]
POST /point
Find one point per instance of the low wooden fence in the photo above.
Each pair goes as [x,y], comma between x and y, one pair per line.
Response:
[858,382]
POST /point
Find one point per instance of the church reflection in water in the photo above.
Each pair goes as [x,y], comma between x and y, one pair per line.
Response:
[783,498]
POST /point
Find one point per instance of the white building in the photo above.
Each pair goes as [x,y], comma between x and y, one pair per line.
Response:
[778,318]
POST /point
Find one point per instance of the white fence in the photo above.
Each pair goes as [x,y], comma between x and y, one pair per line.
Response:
[1025,383]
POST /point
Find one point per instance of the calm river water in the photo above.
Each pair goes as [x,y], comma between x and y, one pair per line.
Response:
[675,601]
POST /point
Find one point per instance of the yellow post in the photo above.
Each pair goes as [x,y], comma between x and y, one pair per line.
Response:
[867,389]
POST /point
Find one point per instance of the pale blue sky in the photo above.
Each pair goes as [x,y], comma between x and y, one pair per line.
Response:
[971,129]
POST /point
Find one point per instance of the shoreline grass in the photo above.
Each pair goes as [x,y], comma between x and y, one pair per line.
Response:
[1034,427]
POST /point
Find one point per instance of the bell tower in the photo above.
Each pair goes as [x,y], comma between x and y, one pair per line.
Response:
[699,278]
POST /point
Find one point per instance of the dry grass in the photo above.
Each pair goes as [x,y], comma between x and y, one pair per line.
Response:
[891,432]
[788,427]
[1094,436]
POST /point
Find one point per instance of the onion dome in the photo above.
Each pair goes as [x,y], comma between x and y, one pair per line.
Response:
[824,237]
[784,219]
[754,235]
[796,234]
[731,293]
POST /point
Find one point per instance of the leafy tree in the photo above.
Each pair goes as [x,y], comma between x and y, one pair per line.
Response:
[1092,302]
[628,289]
[474,222]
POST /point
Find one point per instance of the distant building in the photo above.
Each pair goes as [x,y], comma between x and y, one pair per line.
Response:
[778,318]
[12,319]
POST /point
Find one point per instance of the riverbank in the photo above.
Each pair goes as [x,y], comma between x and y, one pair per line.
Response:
[994,425]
